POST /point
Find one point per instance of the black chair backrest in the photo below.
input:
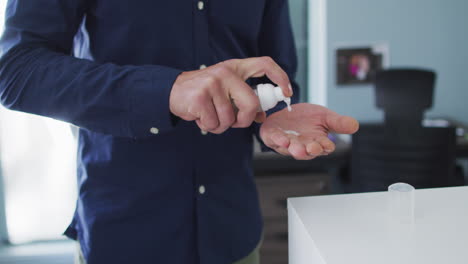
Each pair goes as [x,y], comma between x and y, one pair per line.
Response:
[423,157]
[404,94]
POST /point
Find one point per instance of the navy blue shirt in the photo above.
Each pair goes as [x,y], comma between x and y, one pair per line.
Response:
[152,189]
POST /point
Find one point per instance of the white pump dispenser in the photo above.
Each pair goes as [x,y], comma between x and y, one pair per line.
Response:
[270,96]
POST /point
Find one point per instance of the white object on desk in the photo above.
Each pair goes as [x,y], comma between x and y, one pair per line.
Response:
[356,229]
[401,203]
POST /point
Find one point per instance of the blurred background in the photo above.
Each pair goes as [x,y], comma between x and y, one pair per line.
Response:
[342,46]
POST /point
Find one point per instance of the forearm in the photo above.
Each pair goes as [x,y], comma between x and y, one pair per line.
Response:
[107,98]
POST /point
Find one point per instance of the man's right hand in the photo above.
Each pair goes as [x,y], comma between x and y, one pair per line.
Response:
[206,95]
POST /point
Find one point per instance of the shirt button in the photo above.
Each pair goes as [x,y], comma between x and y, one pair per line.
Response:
[154,130]
[203,132]
[201,189]
[203,66]
[201,5]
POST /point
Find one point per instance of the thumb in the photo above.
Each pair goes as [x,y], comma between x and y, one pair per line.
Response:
[341,124]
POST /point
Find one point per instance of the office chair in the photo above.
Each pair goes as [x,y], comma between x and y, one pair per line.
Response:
[404,94]
[401,149]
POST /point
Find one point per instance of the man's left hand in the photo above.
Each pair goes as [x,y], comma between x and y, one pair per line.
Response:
[303,132]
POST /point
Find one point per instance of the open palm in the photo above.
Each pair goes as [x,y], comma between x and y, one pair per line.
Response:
[303,132]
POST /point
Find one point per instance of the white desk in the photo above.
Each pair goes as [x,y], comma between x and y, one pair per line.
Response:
[357,229]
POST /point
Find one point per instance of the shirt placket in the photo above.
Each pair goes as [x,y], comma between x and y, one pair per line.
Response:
[201,34]
[202,60]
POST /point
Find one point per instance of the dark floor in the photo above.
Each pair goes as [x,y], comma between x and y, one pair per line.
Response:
[274,189]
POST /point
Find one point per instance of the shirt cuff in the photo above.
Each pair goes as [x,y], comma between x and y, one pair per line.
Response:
[149,101]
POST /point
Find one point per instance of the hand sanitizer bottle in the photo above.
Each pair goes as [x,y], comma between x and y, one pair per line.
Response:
[270,96]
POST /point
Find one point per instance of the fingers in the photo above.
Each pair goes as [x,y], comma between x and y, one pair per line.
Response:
[341,124]
[291,145]
[305,151]
[285,145]
[298,150]
[208,120]
[225,112]
[297,147]
[244,99]
[225,88]
[327,145]
[283,151]
[314,149]
[258,67]
[246,115]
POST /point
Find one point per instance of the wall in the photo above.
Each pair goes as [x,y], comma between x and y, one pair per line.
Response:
[423,33]
[298,13]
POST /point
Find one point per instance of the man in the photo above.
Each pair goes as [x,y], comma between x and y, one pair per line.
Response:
[154,186]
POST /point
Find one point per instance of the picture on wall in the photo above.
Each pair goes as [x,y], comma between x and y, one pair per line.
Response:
[358,65]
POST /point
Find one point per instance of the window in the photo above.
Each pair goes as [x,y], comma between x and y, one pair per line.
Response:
[38,157]
[298,13]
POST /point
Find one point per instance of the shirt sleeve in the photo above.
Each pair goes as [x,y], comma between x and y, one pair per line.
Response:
[38,75]
[276,40]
